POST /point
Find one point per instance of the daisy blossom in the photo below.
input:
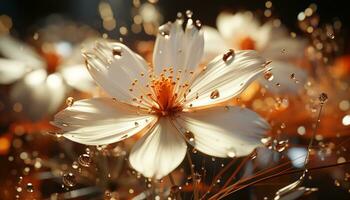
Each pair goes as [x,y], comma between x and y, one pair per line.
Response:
[172,102]
[243,31]
[41,82]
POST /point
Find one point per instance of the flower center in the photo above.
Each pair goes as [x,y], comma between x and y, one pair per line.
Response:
[52,61]
[247,43]
[164,90]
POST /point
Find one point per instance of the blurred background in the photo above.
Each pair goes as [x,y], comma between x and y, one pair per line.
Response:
[26,15]
[36,163]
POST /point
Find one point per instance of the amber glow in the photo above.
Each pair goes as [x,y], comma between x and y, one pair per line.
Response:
[4,145]
[247,43]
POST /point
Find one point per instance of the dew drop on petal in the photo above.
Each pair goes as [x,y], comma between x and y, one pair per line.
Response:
[189,136]
[136,124]
[254,154]
[266,140]
[84,160]
[117,52]
[189,13]
[198,24]
[69,179]
[164,31]
[268,76]
[69,101]
[30,187]
[179,16]
[215,94]
[228,55]
[292,76]
[231,153]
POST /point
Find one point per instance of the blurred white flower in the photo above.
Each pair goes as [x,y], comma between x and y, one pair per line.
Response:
[243,31]
[40,86]
[174,102]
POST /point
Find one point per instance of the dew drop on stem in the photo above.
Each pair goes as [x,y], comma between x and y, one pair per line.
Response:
[69,179]
[84,160]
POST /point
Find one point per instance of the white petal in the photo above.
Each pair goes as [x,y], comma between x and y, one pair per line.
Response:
[227,79]
[233,27]
[12,49]
[39,94]
[78,77]
[11,70]
[101,121]
[282,72]
[214,44]
[224,131]
[160,151]
[176,48]
[115,67]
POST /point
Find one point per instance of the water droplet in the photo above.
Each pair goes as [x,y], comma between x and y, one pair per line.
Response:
[301,130]
[164,31]
[179,16]
[331,35]
[69,179]
[266,141]
[20,179]
[323,97]
[254,154]
[228,55]
[268,76]
[36,36]
[346,120]
[336,183]
[231,153]
[117,52]
[189,13]
[30,187]
[84,160]
[189,136]
[19,189]
[283,125]
[281,145]
[136,124]
[292,76]
[215,94]
[69,101]
[198,24]
[75,165]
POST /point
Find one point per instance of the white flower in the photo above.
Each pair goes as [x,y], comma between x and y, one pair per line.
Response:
[171,103]
[242,31]
[40,88]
